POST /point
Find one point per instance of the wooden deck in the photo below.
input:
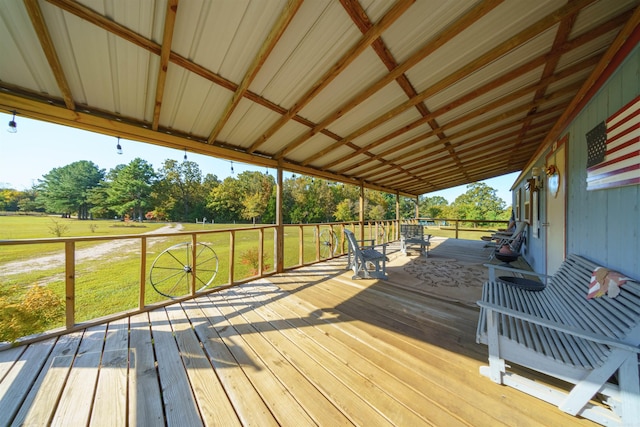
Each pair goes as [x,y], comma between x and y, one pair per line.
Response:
[309,347]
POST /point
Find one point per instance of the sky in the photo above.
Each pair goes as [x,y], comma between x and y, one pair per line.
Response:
[38,147]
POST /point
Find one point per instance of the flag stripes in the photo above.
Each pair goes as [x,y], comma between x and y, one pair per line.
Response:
[621,163]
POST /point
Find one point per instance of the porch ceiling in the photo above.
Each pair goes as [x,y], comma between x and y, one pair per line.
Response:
[405,96]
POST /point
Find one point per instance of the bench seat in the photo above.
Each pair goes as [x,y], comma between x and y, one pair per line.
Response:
[592,344]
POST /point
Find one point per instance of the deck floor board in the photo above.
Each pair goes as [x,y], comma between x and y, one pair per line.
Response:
[307,347]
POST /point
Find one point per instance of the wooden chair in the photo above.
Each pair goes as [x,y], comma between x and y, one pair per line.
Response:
[414,234]
[593,344]
[511,240]
[364,260]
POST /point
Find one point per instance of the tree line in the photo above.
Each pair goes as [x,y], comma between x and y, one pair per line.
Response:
[180,191]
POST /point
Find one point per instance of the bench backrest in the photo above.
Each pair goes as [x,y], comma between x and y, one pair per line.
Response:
[411,230]
[607,316]
[353,243]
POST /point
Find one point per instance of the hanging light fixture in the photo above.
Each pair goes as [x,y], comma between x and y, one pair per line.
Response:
[231,167]
[13,126]
[119,147]
[185,155]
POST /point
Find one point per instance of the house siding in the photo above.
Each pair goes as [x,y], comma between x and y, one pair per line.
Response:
[602,225]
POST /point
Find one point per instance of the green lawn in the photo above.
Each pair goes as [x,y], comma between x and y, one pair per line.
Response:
[107,282]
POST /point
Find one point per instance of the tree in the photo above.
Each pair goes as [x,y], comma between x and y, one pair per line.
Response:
[433,207]
[129,188]
[376,205]
[66,189]
[182,192]
[257,189]
[479,202]
[9,199]
[308,200]
[346,211]
[225,201]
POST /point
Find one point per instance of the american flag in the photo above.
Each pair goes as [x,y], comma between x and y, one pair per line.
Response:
[613,149]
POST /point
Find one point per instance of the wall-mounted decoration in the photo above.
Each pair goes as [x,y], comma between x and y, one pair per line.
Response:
[553,179]
[613,149]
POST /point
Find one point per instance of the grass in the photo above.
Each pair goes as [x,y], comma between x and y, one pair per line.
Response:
[109,283]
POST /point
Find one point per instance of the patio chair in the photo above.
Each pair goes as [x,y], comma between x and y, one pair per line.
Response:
[364,259]
[504,239]
[510,252]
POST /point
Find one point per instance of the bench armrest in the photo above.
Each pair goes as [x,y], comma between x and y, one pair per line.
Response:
[493,267]
[371,245]
[581,333]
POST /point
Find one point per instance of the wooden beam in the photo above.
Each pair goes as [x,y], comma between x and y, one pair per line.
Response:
[287,14]
[370,171]
[625,41]
[89,15]
[165,52]
[476,113]
[395,12]
[431,46]
[485,59]
[40,27]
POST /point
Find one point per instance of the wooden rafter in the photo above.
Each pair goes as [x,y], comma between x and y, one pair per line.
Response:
[562,36]
[395,12]
[384,156]
[165,52]
[436,42]
[629,35]
[385,160]
[91,16]
[531,65]
[40,27]
[485,59]
[359,17]
[268,45]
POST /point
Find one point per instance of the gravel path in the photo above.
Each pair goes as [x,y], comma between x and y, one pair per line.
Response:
[95,252]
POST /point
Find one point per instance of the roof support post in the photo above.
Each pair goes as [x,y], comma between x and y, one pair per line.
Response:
[279,237]
[397,231]
[417,207]
[361,210]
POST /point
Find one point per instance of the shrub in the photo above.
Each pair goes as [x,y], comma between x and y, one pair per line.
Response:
[250,258]
[40,309]
[57,228]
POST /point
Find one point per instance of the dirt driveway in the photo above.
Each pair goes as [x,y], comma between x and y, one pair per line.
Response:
[95,252]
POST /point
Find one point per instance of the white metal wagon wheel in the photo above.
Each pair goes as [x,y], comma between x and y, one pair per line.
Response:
[173,270]
[328,243]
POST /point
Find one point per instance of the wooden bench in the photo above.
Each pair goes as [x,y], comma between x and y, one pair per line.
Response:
[590,343]
[364,259]
[414,234]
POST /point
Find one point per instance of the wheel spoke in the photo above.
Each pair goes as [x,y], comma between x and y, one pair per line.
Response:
[169,280]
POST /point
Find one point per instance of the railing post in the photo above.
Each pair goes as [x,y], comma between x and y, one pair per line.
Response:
[260,251]
[300,244]
[232,254]
[457,222]
[143,272]
[317,239]
[70,283]
[194,267]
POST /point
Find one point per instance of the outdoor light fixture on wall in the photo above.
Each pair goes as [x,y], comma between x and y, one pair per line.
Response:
[535,183]
[13,126]
[119,147]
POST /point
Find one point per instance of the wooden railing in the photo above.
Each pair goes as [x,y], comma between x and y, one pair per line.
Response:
[458,225]
[314,243]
